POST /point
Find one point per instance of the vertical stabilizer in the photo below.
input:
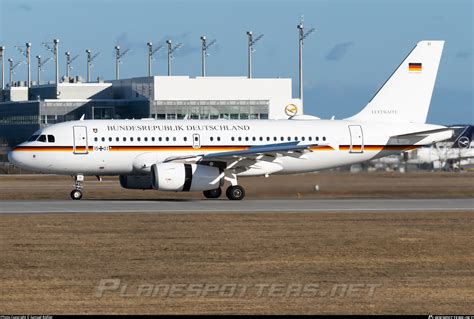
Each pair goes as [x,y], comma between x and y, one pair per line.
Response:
[406,95]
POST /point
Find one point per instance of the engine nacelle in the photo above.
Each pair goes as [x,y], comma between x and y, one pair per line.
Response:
[136,181]
[180,177]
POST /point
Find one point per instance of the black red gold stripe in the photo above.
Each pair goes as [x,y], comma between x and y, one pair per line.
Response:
[414,66]
[205,148]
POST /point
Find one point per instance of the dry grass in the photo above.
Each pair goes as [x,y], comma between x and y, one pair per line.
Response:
[422,261]
[331,185]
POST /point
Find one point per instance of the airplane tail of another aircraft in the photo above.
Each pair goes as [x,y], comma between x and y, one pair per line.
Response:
[464,138]
[406,95]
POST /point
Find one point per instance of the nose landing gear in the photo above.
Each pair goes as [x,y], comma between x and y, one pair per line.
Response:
[76,194]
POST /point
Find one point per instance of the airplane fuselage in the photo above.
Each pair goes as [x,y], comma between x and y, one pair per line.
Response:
[123,147]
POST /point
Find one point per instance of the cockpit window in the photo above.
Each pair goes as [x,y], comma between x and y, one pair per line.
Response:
[42,138]
[33,138]
[51,138]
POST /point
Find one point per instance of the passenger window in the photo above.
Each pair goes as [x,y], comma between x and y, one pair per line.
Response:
[110,139]
[131,139]
[95,139]
[282,138]
[185,138]
[51,138]
[146,139]
[324,138]
[153,139]
[261,138]
[302,138]
[117,139]
[138,139]
[240,138]
[42,138]
[167,139]
[232,138]
[247,138]
[317,138]
[159,139]
[289,138]
[103,139]
[124,139]
[310,138]
[212,139]
[174,139]
[218,138]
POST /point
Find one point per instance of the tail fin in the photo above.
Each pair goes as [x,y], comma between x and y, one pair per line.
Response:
[406,95]
[464,138]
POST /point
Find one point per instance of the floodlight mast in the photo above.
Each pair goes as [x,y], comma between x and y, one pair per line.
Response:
[12,67]
[90,58]
[25,50]
[302,36]
[118,60]
[151,52]
[10,61]
[205,46]
[2,52]
[69,61]
[171,50]
[55,51]
[251,43]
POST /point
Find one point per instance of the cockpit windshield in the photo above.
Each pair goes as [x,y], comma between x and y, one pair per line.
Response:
[33,138]
[42,138]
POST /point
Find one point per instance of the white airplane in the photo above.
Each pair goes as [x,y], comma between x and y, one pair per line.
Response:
[200,155]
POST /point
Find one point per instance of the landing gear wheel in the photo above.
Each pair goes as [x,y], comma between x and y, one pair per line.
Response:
[76,194]
[213,193]
[236,192]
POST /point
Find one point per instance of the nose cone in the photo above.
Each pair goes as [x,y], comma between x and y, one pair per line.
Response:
[13,157]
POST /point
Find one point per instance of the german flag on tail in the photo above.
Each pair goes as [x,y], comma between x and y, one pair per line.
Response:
[414,67]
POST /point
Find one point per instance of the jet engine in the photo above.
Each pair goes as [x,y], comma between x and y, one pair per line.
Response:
[180,177]
[136,181]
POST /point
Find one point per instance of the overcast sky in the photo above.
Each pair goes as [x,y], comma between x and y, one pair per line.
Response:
[356,47]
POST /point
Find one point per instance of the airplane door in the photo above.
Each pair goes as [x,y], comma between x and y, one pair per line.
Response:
[357,139]
[196,141]
[80,140]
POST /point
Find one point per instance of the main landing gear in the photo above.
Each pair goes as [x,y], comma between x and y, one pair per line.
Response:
[233,192]
[76,194]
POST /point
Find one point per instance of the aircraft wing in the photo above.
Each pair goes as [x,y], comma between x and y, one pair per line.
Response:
[251,155]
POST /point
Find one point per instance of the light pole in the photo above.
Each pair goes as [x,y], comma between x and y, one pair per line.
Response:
[302,35]
[151,52]
[251,43]
[171,50]
[118,60]
[205,46]
[55,51]
[2,50]
[90,58]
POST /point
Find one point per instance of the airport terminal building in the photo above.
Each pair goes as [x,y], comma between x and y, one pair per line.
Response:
[23,110]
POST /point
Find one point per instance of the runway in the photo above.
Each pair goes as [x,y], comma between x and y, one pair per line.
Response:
[245,206]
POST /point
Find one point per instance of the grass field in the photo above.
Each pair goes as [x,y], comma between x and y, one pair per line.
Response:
[416,262]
